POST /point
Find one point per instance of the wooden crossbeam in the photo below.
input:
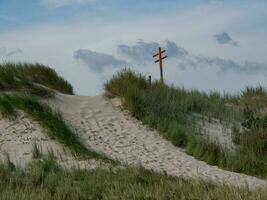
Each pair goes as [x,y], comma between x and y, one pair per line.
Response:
[158,53]
[162,59]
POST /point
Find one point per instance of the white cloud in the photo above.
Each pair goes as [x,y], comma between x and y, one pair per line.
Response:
[54,44]
[61,3]
[98,61]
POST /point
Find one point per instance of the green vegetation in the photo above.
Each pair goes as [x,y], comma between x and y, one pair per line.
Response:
[169,110]
[20,92]
[44,179]
[165,108]
[30,79]
[48,119]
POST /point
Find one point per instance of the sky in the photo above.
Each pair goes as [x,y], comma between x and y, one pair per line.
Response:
[212,44]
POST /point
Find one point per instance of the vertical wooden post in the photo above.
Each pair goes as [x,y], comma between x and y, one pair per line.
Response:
[160,60]
[161,65]
[149,81]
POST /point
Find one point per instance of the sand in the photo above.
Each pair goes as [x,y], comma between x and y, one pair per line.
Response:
[215,131]
[18,137]
[104,127]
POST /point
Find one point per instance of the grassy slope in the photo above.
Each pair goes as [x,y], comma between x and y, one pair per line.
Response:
[44,179]
[22,77]
[22,80]
[167,109]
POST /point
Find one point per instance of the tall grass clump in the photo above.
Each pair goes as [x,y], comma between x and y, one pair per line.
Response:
[25,77]
[50,120]
[22,87]
[45,179]
[169,110]
[163,98]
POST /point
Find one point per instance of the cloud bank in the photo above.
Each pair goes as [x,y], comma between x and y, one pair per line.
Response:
[142,52]
[98,61]
[223,65]
[224,38]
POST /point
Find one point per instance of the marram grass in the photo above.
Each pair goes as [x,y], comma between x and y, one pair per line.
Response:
[169,110]
[45,179]
[26,78]
[22,86]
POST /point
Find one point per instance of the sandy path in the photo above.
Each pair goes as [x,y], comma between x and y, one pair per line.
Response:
[104,127]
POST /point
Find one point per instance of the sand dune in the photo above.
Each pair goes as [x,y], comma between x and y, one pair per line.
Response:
[103,126]
[18,137]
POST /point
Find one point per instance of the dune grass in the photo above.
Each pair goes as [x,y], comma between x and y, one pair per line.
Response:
[22,86]
[168,109]
[50,120]
[45,179]
[27,78]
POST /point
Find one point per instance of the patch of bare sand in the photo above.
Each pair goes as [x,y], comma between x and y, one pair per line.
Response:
[102,126]
[17,138]
[215,131]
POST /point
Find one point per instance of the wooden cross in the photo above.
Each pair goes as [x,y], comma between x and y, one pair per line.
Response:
[160,60]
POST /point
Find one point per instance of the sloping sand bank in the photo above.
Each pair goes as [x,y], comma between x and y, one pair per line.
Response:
[17,138]
[101,125]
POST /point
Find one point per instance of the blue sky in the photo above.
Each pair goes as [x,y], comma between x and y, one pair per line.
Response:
[225,40]
[16,13]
